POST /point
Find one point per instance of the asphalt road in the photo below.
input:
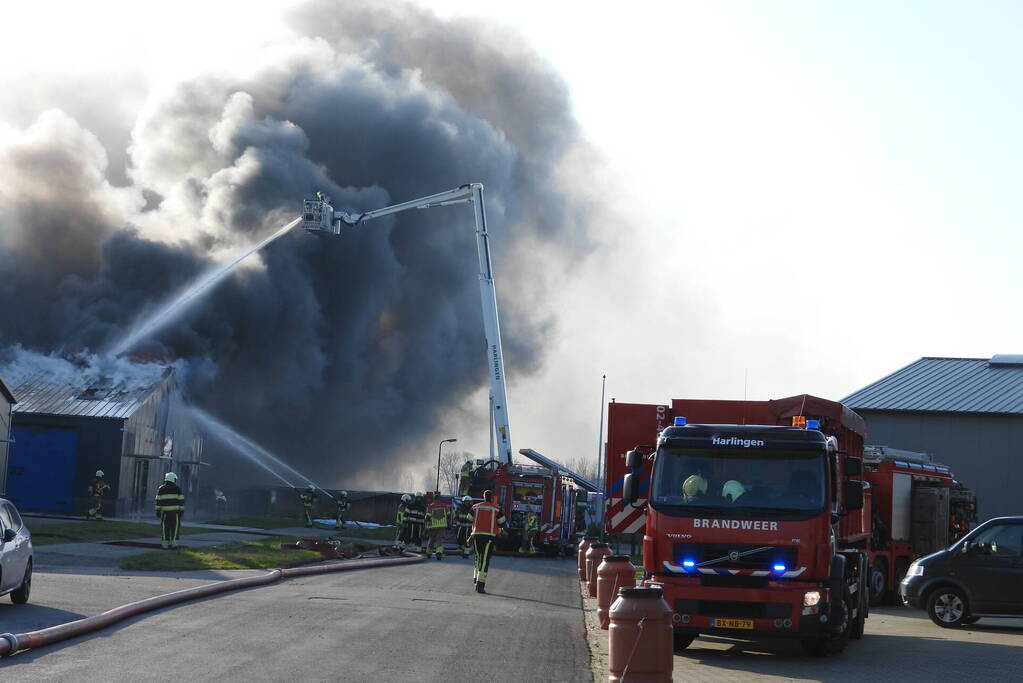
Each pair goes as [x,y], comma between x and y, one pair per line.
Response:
[420,622]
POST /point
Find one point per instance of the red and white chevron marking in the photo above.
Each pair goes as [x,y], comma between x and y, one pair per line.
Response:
[626,519]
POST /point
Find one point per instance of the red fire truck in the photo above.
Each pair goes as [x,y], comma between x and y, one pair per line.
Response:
[785,503]
[547,489]
[752,512]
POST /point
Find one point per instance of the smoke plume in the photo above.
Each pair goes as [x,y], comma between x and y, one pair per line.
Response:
[341,355]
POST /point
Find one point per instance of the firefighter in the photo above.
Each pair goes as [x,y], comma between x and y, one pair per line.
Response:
[463,522]
[436,526]
[487,522]
[308,497]
[416,516]
[529,533]
[694,487]
[97,487]
[464,475]
[170,505]
[342,507]
[402,523]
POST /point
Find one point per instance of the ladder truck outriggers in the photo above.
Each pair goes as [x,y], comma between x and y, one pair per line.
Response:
[547,489]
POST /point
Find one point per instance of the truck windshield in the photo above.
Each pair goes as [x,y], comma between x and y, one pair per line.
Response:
[733,480]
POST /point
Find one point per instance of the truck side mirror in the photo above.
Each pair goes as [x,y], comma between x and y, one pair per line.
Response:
[853,466]
[853,495]
[629,492]
[634,459]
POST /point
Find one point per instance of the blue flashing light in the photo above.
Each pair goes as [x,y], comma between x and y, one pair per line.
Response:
[813,424]
[779,567]
[680,421]
[688,564]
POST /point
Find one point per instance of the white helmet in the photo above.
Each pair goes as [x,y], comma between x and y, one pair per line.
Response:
[406,498]
[99,473]
[466,499]
[171,477]
[343,494]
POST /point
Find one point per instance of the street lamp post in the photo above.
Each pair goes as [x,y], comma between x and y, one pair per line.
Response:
[437,488]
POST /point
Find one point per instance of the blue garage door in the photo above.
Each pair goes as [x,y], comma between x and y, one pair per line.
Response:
[41,468]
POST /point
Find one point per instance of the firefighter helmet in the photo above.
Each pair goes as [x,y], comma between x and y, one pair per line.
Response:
[343,494]
[694,486]
[406,498]
[732,490]
[171,477]
[419,494]
[310,488]
[466,499]
[99,473]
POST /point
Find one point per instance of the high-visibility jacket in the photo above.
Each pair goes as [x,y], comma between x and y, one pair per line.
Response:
[532,523]
[97,487]
[436,516]
[169,498]
[464,517]
[307,499]
[342,504]
[399,519]
[486,518]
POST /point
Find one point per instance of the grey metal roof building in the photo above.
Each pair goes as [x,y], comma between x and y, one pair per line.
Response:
[966,412]
[69,423]
[7,402]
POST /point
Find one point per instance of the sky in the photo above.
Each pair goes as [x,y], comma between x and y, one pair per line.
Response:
[799,196]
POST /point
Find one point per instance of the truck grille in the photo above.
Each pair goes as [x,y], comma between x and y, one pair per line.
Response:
[760,560]
[732,608]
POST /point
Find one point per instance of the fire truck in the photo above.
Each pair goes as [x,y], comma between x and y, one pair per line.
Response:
[547,489]
[916,508]
[751,514]
[771,517]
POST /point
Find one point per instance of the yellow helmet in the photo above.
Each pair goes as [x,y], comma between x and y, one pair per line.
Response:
[732,490]
[693,486]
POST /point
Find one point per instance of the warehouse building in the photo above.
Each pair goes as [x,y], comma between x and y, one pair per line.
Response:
[6,406]
[966,413]
[134,428]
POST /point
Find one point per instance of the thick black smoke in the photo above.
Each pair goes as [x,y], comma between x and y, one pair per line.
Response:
[339,354]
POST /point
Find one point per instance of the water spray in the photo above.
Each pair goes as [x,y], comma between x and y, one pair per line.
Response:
[174,307]
[251,449]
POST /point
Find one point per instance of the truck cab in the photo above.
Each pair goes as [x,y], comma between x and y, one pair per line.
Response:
[743,533]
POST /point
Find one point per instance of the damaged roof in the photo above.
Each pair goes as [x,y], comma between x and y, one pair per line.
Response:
[44,394]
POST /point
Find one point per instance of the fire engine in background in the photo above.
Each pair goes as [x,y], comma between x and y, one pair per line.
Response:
[757,515]
[916,508]
[547,489]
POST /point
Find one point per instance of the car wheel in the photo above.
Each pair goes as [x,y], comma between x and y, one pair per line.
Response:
[947,607]
[970,620]
[681,641]
[19,596]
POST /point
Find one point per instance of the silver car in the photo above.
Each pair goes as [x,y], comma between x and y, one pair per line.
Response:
[15,554]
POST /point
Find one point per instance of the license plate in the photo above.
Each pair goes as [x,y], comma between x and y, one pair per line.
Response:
[732,623]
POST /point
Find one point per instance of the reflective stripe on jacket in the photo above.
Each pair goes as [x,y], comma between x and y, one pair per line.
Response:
[486,518]
[169,498]
[464,518]
[532,524]
[436,516]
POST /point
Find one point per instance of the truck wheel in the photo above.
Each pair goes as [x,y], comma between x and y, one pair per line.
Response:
[19,596]
[858,622]
[832,643]
[681,641]
[947,607]
[878,581]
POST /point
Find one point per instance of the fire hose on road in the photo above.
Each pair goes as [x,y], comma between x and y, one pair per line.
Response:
[11,642]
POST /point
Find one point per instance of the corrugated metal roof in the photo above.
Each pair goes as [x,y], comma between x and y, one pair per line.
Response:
[946,385]
[43,394]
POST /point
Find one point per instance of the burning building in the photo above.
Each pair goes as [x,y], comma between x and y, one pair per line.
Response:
[73,418]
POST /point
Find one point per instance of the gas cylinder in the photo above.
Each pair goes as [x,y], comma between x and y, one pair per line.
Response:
[580,557]
[616,571]
[639,638]
[594,555]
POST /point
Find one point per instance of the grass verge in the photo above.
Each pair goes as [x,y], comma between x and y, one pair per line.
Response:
[260,522]
[265,553]
[83,532]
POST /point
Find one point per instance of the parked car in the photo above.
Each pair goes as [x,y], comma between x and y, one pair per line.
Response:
[981,575]
[15,554]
